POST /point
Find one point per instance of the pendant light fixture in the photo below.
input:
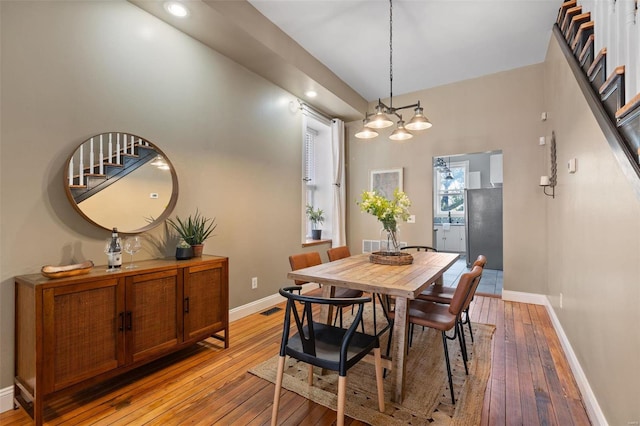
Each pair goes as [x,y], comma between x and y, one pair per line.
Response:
[380,118]
[449,176]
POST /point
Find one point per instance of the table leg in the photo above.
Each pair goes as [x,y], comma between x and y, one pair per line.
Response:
[399,349]
[326,311]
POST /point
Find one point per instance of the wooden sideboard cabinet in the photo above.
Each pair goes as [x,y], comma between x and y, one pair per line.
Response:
[76,331]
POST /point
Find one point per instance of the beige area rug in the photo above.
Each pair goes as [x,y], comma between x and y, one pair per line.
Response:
[427,397]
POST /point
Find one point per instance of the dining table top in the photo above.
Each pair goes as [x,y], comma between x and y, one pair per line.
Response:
[358,272]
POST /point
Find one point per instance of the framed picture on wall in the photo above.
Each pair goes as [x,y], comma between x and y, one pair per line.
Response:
[384,182]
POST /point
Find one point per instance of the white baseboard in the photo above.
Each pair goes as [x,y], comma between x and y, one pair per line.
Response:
[262,304]
[518,296]
[590,402]
[6,399]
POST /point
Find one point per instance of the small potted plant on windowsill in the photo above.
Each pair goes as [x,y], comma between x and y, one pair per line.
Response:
[194,230]
[316,217]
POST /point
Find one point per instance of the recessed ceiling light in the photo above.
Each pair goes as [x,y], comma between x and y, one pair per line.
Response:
[176,9]
[311,93]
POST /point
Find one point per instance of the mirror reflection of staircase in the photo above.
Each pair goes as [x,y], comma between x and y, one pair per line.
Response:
[104,159]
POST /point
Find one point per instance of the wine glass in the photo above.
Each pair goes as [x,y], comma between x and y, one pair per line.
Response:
[132,245]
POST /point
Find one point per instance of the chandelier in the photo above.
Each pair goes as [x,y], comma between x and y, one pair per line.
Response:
[380,118]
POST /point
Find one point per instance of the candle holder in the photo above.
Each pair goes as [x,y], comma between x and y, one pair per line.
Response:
[550,181]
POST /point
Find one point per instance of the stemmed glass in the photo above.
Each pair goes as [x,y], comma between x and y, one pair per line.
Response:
[132,245]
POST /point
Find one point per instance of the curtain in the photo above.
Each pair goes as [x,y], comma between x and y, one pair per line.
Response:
[339,237]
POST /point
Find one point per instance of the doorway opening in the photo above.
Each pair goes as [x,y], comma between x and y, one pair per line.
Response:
[467,214]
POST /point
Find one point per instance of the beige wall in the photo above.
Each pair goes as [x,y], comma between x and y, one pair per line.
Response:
[496,112]
[594,249]
[71,70]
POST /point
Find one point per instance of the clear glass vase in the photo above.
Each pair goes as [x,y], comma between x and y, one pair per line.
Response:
[390,240]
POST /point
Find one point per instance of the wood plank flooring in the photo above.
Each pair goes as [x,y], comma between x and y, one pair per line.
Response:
[530,384]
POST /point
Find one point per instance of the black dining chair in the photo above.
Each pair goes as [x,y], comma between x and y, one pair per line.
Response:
[325,346]
[419,248]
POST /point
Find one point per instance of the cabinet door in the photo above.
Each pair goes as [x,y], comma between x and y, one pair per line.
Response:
[463,239]
[206,300]
[440,238]
[81,332]
[152,314]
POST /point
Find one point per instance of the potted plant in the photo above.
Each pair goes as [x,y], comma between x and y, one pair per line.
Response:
[194,230]
[316,217]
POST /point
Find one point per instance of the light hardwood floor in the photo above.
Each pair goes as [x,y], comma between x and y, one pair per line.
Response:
[530,384]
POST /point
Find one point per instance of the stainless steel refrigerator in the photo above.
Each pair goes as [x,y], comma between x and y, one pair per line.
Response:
[483,220]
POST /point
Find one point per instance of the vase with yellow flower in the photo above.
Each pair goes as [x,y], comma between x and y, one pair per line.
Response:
[389,213]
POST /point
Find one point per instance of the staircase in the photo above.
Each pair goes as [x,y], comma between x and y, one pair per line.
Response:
[103,160]
[619,119]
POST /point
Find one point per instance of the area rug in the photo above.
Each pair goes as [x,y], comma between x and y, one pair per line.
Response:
[427,397]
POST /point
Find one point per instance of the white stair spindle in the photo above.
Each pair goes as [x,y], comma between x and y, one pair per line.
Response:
[101,158]
[132,145]
[71,171]
[91,157]
[81,167]
[124,144]
[117,148]
[110,151]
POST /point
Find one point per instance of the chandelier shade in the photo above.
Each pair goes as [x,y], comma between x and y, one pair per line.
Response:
[400,133]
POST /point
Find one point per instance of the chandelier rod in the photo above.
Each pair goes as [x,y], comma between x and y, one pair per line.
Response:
[391,54]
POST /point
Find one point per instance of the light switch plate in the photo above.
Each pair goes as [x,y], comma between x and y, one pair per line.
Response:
[571,165]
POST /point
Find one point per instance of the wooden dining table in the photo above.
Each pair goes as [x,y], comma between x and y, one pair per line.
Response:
[403,283]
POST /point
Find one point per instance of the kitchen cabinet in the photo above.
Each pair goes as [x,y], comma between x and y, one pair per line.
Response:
[452,240]
[73,332]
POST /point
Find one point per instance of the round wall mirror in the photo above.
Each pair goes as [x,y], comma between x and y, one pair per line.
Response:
[121,180]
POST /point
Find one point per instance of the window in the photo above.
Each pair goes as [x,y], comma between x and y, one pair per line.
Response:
[317,174]
[449,195]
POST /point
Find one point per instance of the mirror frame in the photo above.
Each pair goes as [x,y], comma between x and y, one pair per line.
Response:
[157,221]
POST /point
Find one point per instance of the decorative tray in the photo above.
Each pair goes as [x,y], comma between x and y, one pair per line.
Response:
[390,258]
[50,271]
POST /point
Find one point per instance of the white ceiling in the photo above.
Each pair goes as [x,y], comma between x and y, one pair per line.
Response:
[435,42]
[340,48]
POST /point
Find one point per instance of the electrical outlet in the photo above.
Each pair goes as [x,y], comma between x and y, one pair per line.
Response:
[412,219]
[560,300]
[254,283]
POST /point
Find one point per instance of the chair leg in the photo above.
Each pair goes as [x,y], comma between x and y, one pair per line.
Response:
[388,345]
[375,327]
[342,394]
[378,361]
[276,395]
[463,345]
[446,358]
[468,321]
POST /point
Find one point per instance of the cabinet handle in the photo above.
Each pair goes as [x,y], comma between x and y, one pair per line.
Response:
[129,320]
[121,327]
[186,305]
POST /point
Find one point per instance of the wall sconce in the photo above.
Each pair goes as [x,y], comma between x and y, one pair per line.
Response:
[550,181]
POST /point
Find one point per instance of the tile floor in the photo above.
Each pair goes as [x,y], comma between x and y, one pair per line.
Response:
[491,282]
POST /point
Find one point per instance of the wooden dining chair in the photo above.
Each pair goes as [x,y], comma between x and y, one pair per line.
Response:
[325,346]
[341,252]
[306,260]
[443,318]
